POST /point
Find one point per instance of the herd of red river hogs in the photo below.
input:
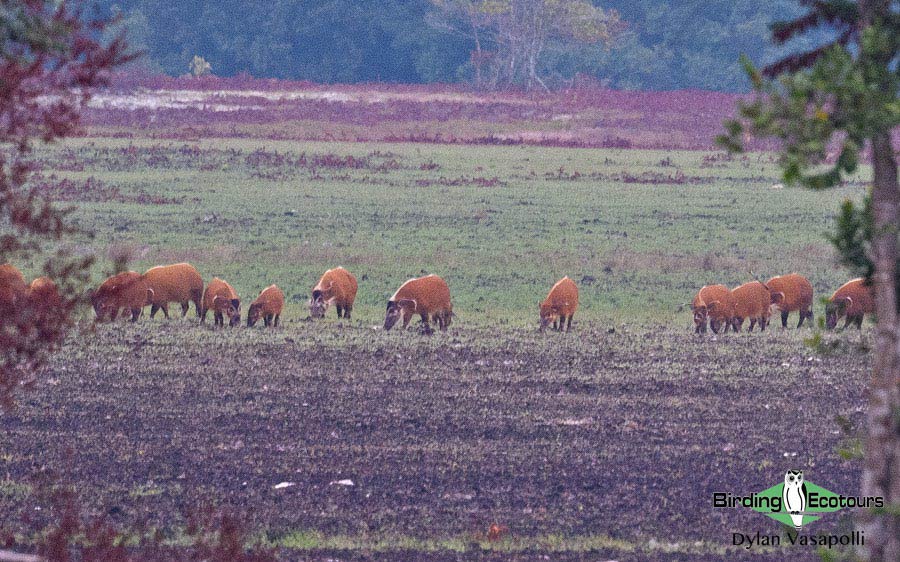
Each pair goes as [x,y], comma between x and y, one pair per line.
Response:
[429,297]
[722,308]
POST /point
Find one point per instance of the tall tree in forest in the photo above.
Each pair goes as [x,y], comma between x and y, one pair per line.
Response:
[828,106]
[50,58]
[514,35]
[468,18]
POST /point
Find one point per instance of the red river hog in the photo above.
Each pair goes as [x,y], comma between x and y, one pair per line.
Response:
[44,295]
[852,301]
[179,282]
[49,311]
[338,287]
[560,305]
[43,288]
[127,290]
[12,285]
[751,300]
[13,293]
[222,299]
[715,304]
[428,296]
[267,306]
[796,294]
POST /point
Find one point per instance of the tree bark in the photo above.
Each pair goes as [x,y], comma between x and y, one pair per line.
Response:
[881,472]
[479,57]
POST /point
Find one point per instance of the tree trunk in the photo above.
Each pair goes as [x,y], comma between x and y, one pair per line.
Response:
[479,57]
[881,472]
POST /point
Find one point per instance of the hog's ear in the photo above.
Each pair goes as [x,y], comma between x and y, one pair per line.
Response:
[777,297]
[713,305]
[236,303]
[843,303]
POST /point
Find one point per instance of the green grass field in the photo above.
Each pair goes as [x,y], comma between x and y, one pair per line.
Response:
[639,231]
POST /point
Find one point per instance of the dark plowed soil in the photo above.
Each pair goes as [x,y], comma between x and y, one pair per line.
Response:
[623,435]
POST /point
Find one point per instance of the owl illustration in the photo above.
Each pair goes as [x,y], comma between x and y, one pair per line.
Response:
[794,496]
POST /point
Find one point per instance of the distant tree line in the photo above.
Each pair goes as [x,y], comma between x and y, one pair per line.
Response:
[625,44]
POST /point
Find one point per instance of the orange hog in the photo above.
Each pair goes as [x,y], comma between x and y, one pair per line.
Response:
[852,301]
[12,285]
[179,283]
[222,299]
[560,305]
[428,296]
[13,292]
[44,293]
[715,304]
[267,305]
[792,292]
[751,300]
[127,290]
[337,286]
[44,287]
[46,305]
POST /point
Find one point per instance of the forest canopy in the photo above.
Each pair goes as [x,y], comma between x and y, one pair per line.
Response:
[651,44]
